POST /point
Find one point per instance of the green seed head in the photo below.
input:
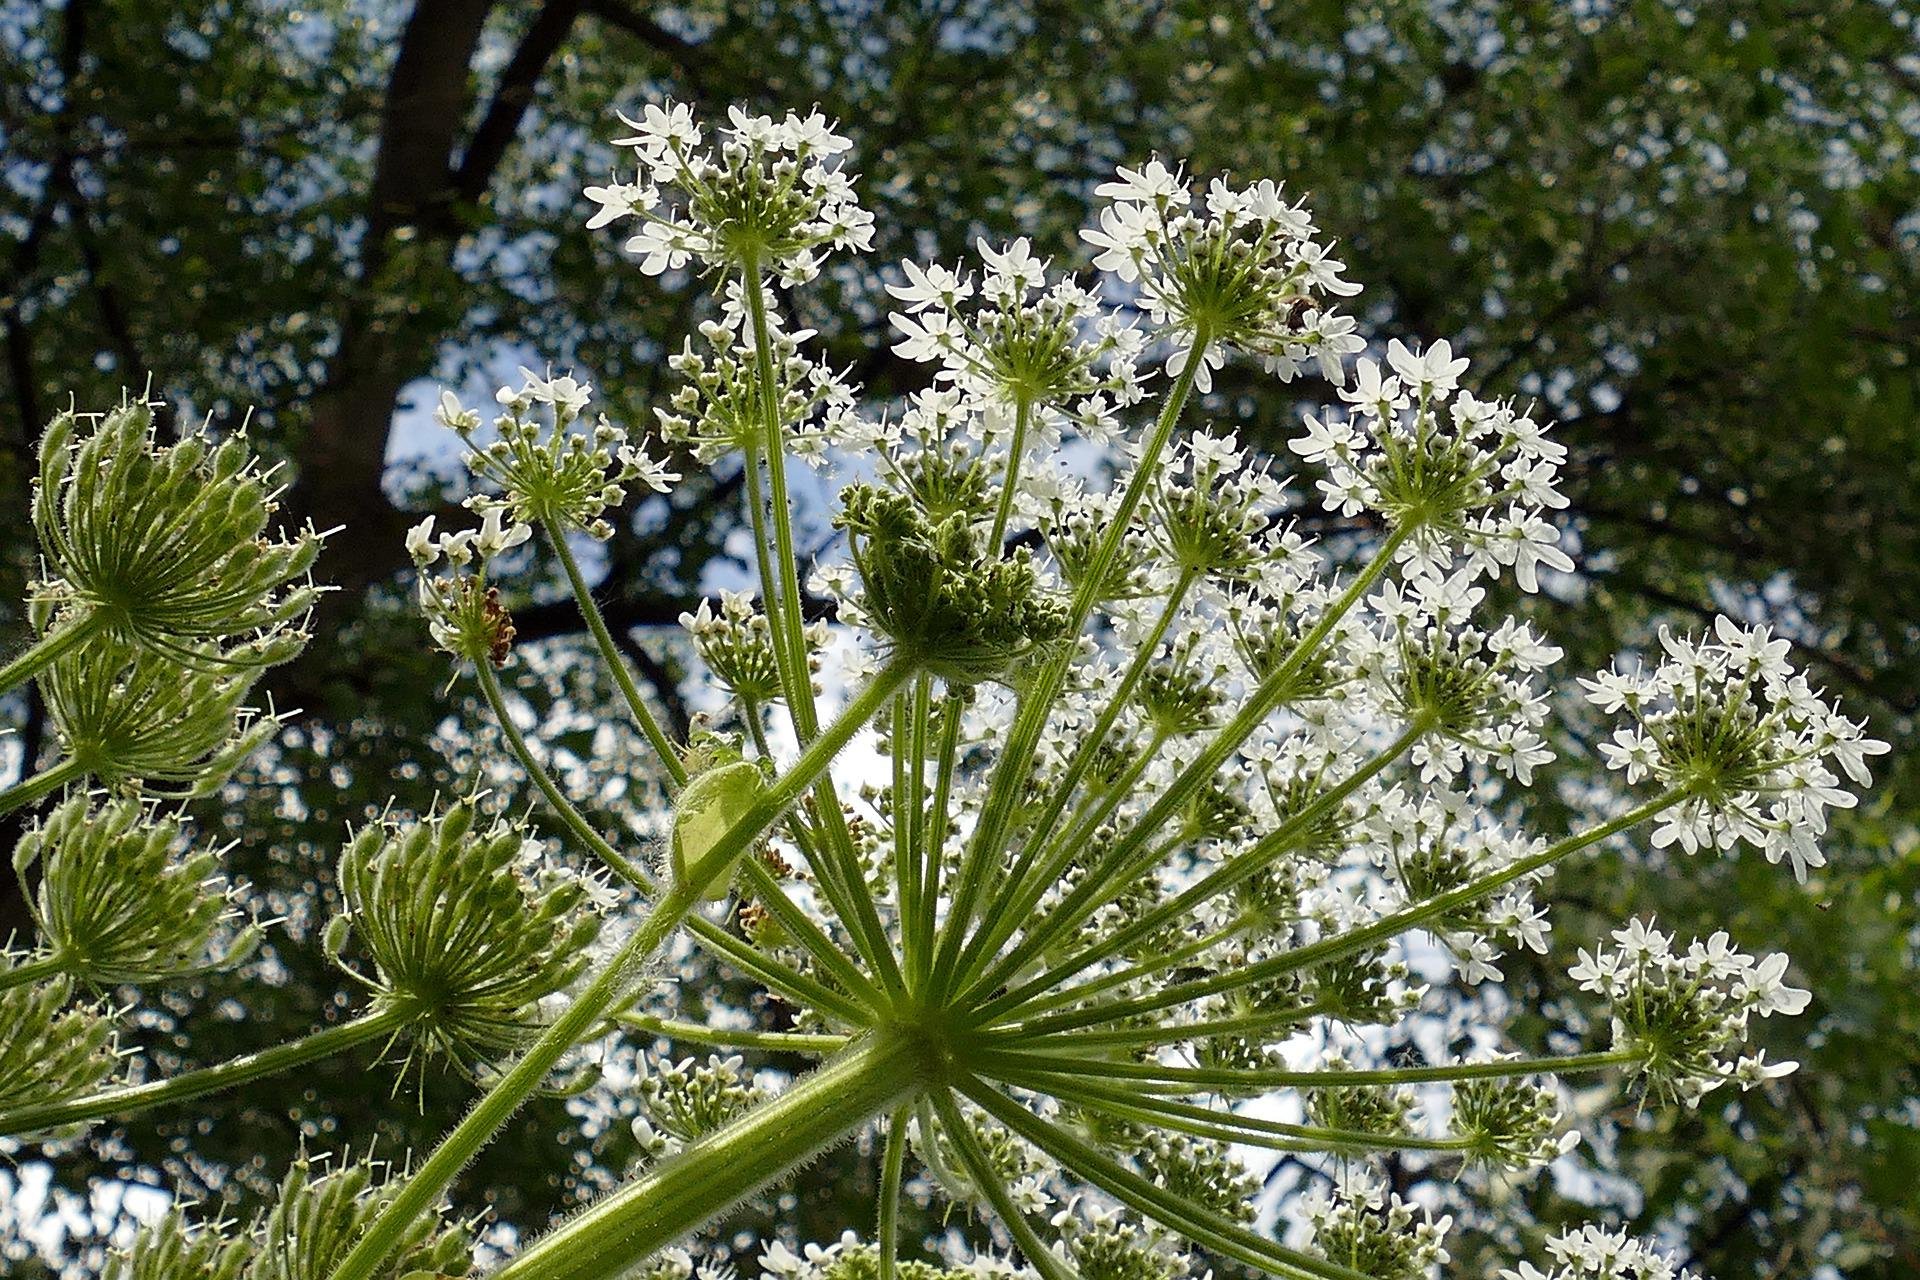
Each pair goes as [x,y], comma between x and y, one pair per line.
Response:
[120,901]
[168,544]
[49,1053]
[461,934]
[175,1249]
[138,720]
[321,1215]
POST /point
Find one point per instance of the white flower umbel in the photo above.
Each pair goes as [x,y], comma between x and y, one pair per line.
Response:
[1166,804]
[771,195]
[1238,270]
[1594,1253]
[1682,1015]
[1750,745]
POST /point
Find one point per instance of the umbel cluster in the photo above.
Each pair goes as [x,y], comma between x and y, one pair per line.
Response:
[1087,848]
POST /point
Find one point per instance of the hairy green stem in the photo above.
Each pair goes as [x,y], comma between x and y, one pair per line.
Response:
[30,791]
[808,934]
[1216,1079]
[876,1073]
[663,746]
[787,615]
[562,807]
[127,1099]
[1022,413]
[1027,888]
[1231,1126]
[1421,912]
[886,1231]
[730,1038]
[1233,872]
[38,969]
[1381,930]
[987,1179]
[921,922]
[60,639]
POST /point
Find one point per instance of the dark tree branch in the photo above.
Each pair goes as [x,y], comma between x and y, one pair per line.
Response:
[665,685]
[691,58]
[500,124]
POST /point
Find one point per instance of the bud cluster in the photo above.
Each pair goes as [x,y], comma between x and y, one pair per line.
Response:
[685,1101]
[927,590]
[135,720]
[721,406]
[48,1051]
[1361,1224]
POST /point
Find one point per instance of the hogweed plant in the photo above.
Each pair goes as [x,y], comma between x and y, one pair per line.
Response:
[1160,803]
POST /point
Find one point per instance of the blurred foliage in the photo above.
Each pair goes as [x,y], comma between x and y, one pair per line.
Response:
[1693,233]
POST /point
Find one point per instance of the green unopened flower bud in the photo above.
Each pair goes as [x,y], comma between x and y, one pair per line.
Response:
[461,933]
[174,1249]
[49,1053]
[119,902]
[166,544]
[135,719]
[708,808]
[320,1216]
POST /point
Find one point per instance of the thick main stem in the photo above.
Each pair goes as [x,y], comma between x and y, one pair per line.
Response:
[819,1112]
[193,1084]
